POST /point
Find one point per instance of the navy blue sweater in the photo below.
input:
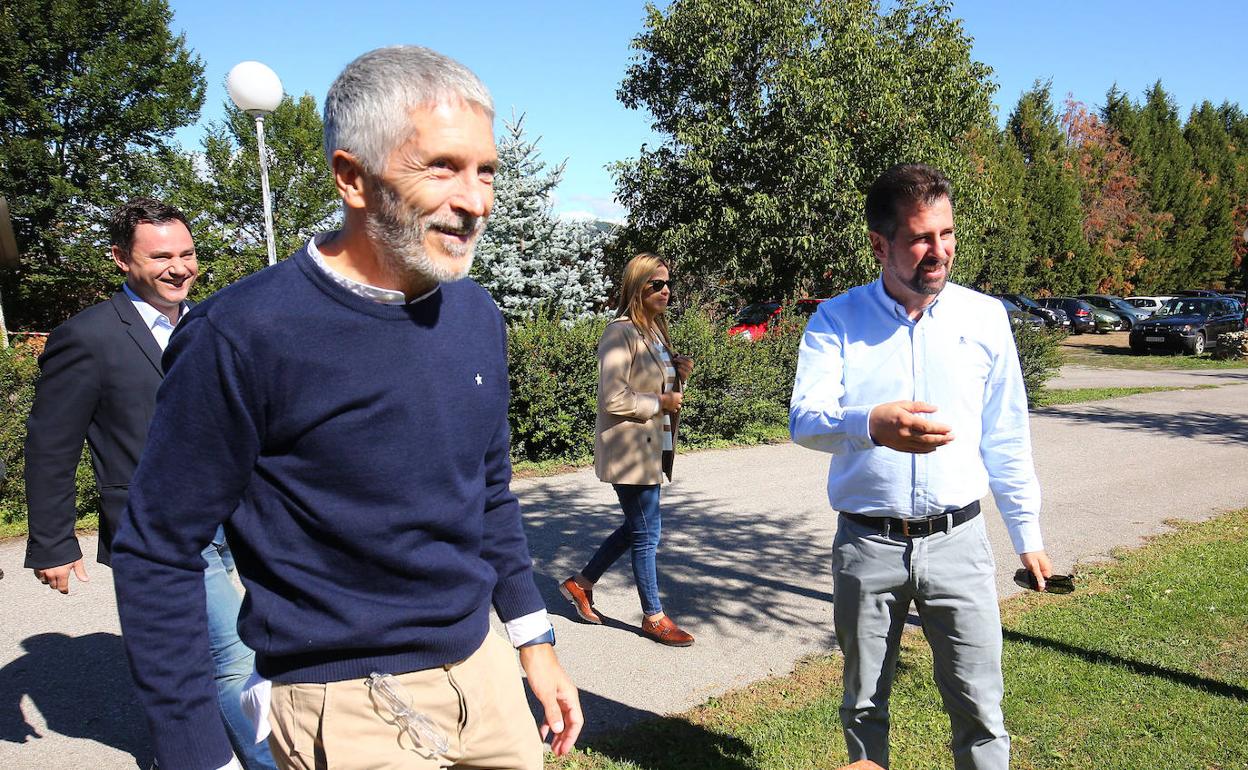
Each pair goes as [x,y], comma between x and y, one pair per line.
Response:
[358,456]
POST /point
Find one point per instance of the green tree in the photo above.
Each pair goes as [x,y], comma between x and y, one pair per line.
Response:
[87,89]
[1221,182]
[1057,254]
[1153,134]
[996,158]
[219,187]
[777,116]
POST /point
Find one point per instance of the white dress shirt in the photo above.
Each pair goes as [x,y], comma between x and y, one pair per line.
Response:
[861,349]
[157,322]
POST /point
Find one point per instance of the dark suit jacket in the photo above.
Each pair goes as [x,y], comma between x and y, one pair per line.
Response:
[98,381]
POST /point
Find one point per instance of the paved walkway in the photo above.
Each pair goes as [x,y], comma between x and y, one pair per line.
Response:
[744,565]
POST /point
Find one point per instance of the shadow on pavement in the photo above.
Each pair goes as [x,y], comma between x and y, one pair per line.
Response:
[1208,426]
[82,687]
[1137,667]
[719,564]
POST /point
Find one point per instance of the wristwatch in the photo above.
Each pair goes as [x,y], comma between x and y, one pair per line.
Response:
[546,638]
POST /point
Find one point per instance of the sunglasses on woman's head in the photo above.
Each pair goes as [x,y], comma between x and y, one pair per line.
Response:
[658,283]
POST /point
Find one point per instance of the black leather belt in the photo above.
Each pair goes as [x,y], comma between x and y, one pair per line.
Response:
[930,525]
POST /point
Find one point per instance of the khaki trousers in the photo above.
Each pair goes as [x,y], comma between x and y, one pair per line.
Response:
[478,704]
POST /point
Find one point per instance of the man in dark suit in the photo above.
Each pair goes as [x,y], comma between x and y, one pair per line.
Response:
[99,375]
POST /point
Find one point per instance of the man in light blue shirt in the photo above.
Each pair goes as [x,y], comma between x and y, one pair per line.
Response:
[913,385]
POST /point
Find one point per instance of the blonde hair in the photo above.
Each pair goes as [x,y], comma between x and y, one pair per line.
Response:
[633,291]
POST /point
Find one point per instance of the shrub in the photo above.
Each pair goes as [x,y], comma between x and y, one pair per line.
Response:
[739,391]
[554,387]
[1040,356]
[19,369]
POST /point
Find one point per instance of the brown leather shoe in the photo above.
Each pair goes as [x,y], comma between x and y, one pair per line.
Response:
[665,631]
[582,600]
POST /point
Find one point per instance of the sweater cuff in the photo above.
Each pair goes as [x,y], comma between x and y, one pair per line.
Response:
[195,742]
[517,596]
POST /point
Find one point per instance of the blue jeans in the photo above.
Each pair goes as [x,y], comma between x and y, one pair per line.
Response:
[232,659]
[639,533]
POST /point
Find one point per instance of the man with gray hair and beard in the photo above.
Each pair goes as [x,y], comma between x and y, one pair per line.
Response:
[344,415]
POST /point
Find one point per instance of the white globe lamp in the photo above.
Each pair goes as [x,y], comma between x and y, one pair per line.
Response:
[256,90]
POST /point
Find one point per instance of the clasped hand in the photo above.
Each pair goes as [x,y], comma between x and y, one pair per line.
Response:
[901,425]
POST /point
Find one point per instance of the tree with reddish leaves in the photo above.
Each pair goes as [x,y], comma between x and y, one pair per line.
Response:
[1118,224]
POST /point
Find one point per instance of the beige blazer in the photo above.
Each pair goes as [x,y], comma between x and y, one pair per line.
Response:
[628,432]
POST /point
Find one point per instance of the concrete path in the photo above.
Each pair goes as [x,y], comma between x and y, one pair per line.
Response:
[744,566]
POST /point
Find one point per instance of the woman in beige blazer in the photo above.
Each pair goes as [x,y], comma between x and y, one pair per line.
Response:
[639,396]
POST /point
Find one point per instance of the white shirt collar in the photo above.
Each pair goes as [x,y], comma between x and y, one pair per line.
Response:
[367,291]
[151,316]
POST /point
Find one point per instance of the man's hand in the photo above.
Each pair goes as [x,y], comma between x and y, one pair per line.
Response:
[670,402]
[684,367]
[1037,563]
[900,425]
[57,578]
[554,690]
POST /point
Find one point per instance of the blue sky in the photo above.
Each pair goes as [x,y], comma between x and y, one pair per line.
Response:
[560,62]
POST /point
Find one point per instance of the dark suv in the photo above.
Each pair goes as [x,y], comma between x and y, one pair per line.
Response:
[1187,324]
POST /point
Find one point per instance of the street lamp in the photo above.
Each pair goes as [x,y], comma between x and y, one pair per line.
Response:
[256,90]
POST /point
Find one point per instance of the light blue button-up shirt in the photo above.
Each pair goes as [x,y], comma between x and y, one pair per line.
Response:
[861,349]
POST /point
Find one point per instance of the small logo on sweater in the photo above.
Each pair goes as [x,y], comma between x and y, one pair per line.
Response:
[478,378]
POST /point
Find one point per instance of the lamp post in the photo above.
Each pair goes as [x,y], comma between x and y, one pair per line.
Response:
[256,90]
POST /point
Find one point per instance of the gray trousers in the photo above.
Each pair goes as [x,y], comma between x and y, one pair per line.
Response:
[950,577]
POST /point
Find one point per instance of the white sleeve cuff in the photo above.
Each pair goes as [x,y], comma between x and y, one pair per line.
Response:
[857,422]
[527,627]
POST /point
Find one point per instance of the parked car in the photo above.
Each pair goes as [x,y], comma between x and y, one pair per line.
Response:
[1020,317]
[1054,317]
[1130,314]
[753,320]
[1077,311]
[1149,304]
[1196,293]
[1188,324]
[1107,321]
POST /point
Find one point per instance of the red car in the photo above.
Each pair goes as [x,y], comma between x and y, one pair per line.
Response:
[752,321]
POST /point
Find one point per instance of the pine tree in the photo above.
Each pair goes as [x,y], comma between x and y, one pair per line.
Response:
[1058,261]
[1155,137]
[529,259]
[1214,161]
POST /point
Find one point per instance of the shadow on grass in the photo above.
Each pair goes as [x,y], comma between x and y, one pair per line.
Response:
[651,742]
[671,743]
[1100,658]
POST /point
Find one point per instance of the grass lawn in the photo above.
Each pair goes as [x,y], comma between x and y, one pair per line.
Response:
[1145,666]
[1115,354]
[1063,396]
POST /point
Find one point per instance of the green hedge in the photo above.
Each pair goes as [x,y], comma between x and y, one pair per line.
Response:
[738,393]
[19,368]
